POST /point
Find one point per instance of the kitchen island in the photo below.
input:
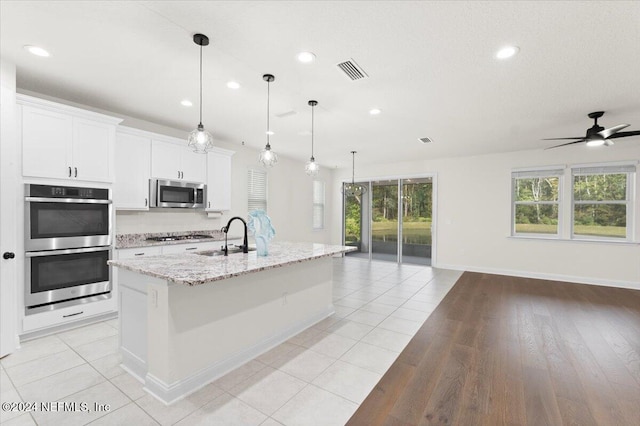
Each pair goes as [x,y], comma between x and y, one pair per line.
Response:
[188,319]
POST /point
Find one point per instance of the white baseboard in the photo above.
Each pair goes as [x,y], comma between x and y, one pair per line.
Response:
[133,365]
[170,393]
[634,285]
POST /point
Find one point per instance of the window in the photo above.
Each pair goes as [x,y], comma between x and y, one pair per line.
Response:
[318,204]
[257,190]
[602,202]
[536,202]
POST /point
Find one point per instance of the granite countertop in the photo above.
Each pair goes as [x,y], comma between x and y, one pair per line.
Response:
[195,269]
[124,241]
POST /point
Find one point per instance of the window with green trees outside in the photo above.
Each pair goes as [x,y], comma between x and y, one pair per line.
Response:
[536,201]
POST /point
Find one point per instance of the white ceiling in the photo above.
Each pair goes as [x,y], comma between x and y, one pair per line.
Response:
[431,70]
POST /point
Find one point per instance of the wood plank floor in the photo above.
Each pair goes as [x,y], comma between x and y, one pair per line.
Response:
[503,350]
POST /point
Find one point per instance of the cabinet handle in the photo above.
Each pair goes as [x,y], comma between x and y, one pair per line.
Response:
[69,171]
[181,175]
[139,254]
[209,204]
[76,172]
[73,315]
[178,174]
[191,248]
[146,201]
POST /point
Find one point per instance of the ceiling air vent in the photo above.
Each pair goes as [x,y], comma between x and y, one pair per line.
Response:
[352,70]
[425,140]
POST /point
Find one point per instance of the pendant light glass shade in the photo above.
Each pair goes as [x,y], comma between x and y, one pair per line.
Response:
[312,168]
[199,139]
[267,157]
[353,189]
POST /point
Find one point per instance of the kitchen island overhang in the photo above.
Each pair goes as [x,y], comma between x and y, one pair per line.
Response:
[188,319]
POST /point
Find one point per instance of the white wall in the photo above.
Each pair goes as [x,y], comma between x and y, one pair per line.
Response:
[473,217]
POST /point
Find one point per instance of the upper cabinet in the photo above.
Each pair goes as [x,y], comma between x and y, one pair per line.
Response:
[133,170]
[63,142]
[219,180]
[177,162]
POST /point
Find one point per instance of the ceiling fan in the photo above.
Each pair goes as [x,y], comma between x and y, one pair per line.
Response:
[598,135]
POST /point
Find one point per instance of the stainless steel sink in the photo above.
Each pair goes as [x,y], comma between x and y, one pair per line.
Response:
[232,250]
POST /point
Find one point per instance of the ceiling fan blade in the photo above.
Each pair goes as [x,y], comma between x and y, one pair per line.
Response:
[606,133]
[565,144]
[625,134]
[561,139]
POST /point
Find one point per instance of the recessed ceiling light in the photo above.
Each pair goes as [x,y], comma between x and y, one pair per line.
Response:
[186,103]
[38,51]
[507,52]
[270,133]
[233,85]
[375,111]
[306,57]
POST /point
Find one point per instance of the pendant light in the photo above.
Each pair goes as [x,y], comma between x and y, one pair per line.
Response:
[312,168]
[200,140]
[267,157]
[353,189]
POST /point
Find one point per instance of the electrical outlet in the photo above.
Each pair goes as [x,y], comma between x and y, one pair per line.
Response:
[154,297]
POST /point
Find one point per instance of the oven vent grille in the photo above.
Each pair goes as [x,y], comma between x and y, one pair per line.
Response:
[425,140]
[352,70]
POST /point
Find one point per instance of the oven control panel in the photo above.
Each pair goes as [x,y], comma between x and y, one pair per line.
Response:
[50,191]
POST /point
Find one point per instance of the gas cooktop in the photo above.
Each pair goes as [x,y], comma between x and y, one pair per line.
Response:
[180,237]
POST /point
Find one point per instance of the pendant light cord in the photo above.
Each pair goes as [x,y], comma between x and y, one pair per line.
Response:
[268,129]
[312,128]
[200,83]
[353,167]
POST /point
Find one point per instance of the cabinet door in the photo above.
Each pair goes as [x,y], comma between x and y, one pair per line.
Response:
[165,160]
[194,166]
[218,182]
[133,170]
[46,143]
[93,150]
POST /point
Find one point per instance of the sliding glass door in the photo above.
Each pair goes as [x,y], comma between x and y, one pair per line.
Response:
[384,226]
[417,205]
[391,220]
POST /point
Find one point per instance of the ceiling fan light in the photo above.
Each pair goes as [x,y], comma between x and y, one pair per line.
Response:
[595,142]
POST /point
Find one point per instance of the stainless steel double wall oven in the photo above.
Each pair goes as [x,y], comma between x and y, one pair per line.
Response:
[68,235]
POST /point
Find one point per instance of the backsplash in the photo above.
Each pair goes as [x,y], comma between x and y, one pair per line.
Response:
[165,220]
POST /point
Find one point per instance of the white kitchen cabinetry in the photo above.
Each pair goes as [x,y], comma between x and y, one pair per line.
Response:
[131,253]
[44,321]
[177,162]
[219,180]
[190,247]
[63,142]
[133,170]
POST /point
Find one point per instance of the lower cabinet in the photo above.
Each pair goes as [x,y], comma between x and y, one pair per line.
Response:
[61,317]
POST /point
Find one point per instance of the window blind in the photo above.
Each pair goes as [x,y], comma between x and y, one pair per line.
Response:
[318,204]
[581,171]
[520,174]
[257,190]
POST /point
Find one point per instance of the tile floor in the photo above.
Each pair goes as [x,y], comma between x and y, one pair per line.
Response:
[318,377]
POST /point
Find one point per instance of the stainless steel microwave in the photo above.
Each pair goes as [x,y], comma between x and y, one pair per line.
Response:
[176,193]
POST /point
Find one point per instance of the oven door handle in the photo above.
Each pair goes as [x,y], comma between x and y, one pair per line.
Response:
[66,200]
[65,251]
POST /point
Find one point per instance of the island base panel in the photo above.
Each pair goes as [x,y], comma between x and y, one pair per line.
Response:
[196,334]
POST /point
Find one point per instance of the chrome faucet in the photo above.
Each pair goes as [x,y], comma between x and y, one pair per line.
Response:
[245,243]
